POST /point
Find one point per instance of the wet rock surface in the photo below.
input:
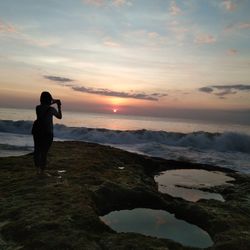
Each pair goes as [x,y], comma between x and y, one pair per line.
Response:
[62,211]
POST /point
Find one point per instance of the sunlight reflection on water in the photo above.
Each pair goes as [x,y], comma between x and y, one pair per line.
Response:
[157,223]
[184,183]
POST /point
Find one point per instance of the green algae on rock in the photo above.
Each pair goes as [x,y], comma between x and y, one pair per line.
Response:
[62,211]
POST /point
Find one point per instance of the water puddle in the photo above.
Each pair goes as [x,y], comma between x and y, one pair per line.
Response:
[157,223]
[61,177]
[185,183]
[61,173]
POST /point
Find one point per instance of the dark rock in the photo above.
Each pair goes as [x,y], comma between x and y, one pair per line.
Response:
[63,213]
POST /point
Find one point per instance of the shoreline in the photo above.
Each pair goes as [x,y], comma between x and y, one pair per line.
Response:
[53,213]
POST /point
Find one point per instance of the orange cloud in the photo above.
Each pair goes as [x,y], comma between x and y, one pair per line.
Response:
[108,41]
[7,28]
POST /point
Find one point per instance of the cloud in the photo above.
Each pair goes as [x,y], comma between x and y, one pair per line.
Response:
[244,25]
[108,92]
[120,3]
[105,92]
[117,3]
[95,2]
[238,26]
[179,30]
[146,38]
[224,90]
[232,52]
[14,33]
[175,27]
[174,9]
[109,42]
[241,87]
[228,5]
[206,89]
[7,27]
[204,39]
[58,79]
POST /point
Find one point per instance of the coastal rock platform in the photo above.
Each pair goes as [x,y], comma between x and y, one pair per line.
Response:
[90,180]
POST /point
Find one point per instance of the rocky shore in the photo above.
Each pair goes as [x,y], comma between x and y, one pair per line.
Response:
[90,180]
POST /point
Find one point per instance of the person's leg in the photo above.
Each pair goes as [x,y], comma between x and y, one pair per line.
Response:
[37,152]
[47,141]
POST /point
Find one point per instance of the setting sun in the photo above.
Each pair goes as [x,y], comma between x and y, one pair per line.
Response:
[115,110]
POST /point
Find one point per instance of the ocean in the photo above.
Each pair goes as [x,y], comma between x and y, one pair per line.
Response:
[221,144]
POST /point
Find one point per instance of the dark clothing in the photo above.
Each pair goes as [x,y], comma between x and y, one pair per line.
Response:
[41,148]
[45,113]
[43,137]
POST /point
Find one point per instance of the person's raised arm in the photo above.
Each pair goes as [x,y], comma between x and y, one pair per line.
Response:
[58,112]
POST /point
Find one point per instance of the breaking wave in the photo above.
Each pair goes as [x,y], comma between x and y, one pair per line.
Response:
[222,142]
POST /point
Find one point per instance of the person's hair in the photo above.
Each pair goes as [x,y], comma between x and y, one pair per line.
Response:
[46,98]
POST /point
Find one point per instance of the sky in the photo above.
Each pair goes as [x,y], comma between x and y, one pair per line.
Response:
[182,58]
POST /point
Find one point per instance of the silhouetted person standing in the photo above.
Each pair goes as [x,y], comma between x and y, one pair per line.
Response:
[43,129]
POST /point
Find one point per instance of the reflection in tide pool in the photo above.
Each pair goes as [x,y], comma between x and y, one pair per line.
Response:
[184,183]
[189,194]
[157,223]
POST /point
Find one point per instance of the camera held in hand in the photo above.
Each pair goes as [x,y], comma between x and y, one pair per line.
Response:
[57,101]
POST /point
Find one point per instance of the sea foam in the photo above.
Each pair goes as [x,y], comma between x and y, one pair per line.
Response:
[222,142]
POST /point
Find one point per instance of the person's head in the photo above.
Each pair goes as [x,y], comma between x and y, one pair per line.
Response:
[46,98]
